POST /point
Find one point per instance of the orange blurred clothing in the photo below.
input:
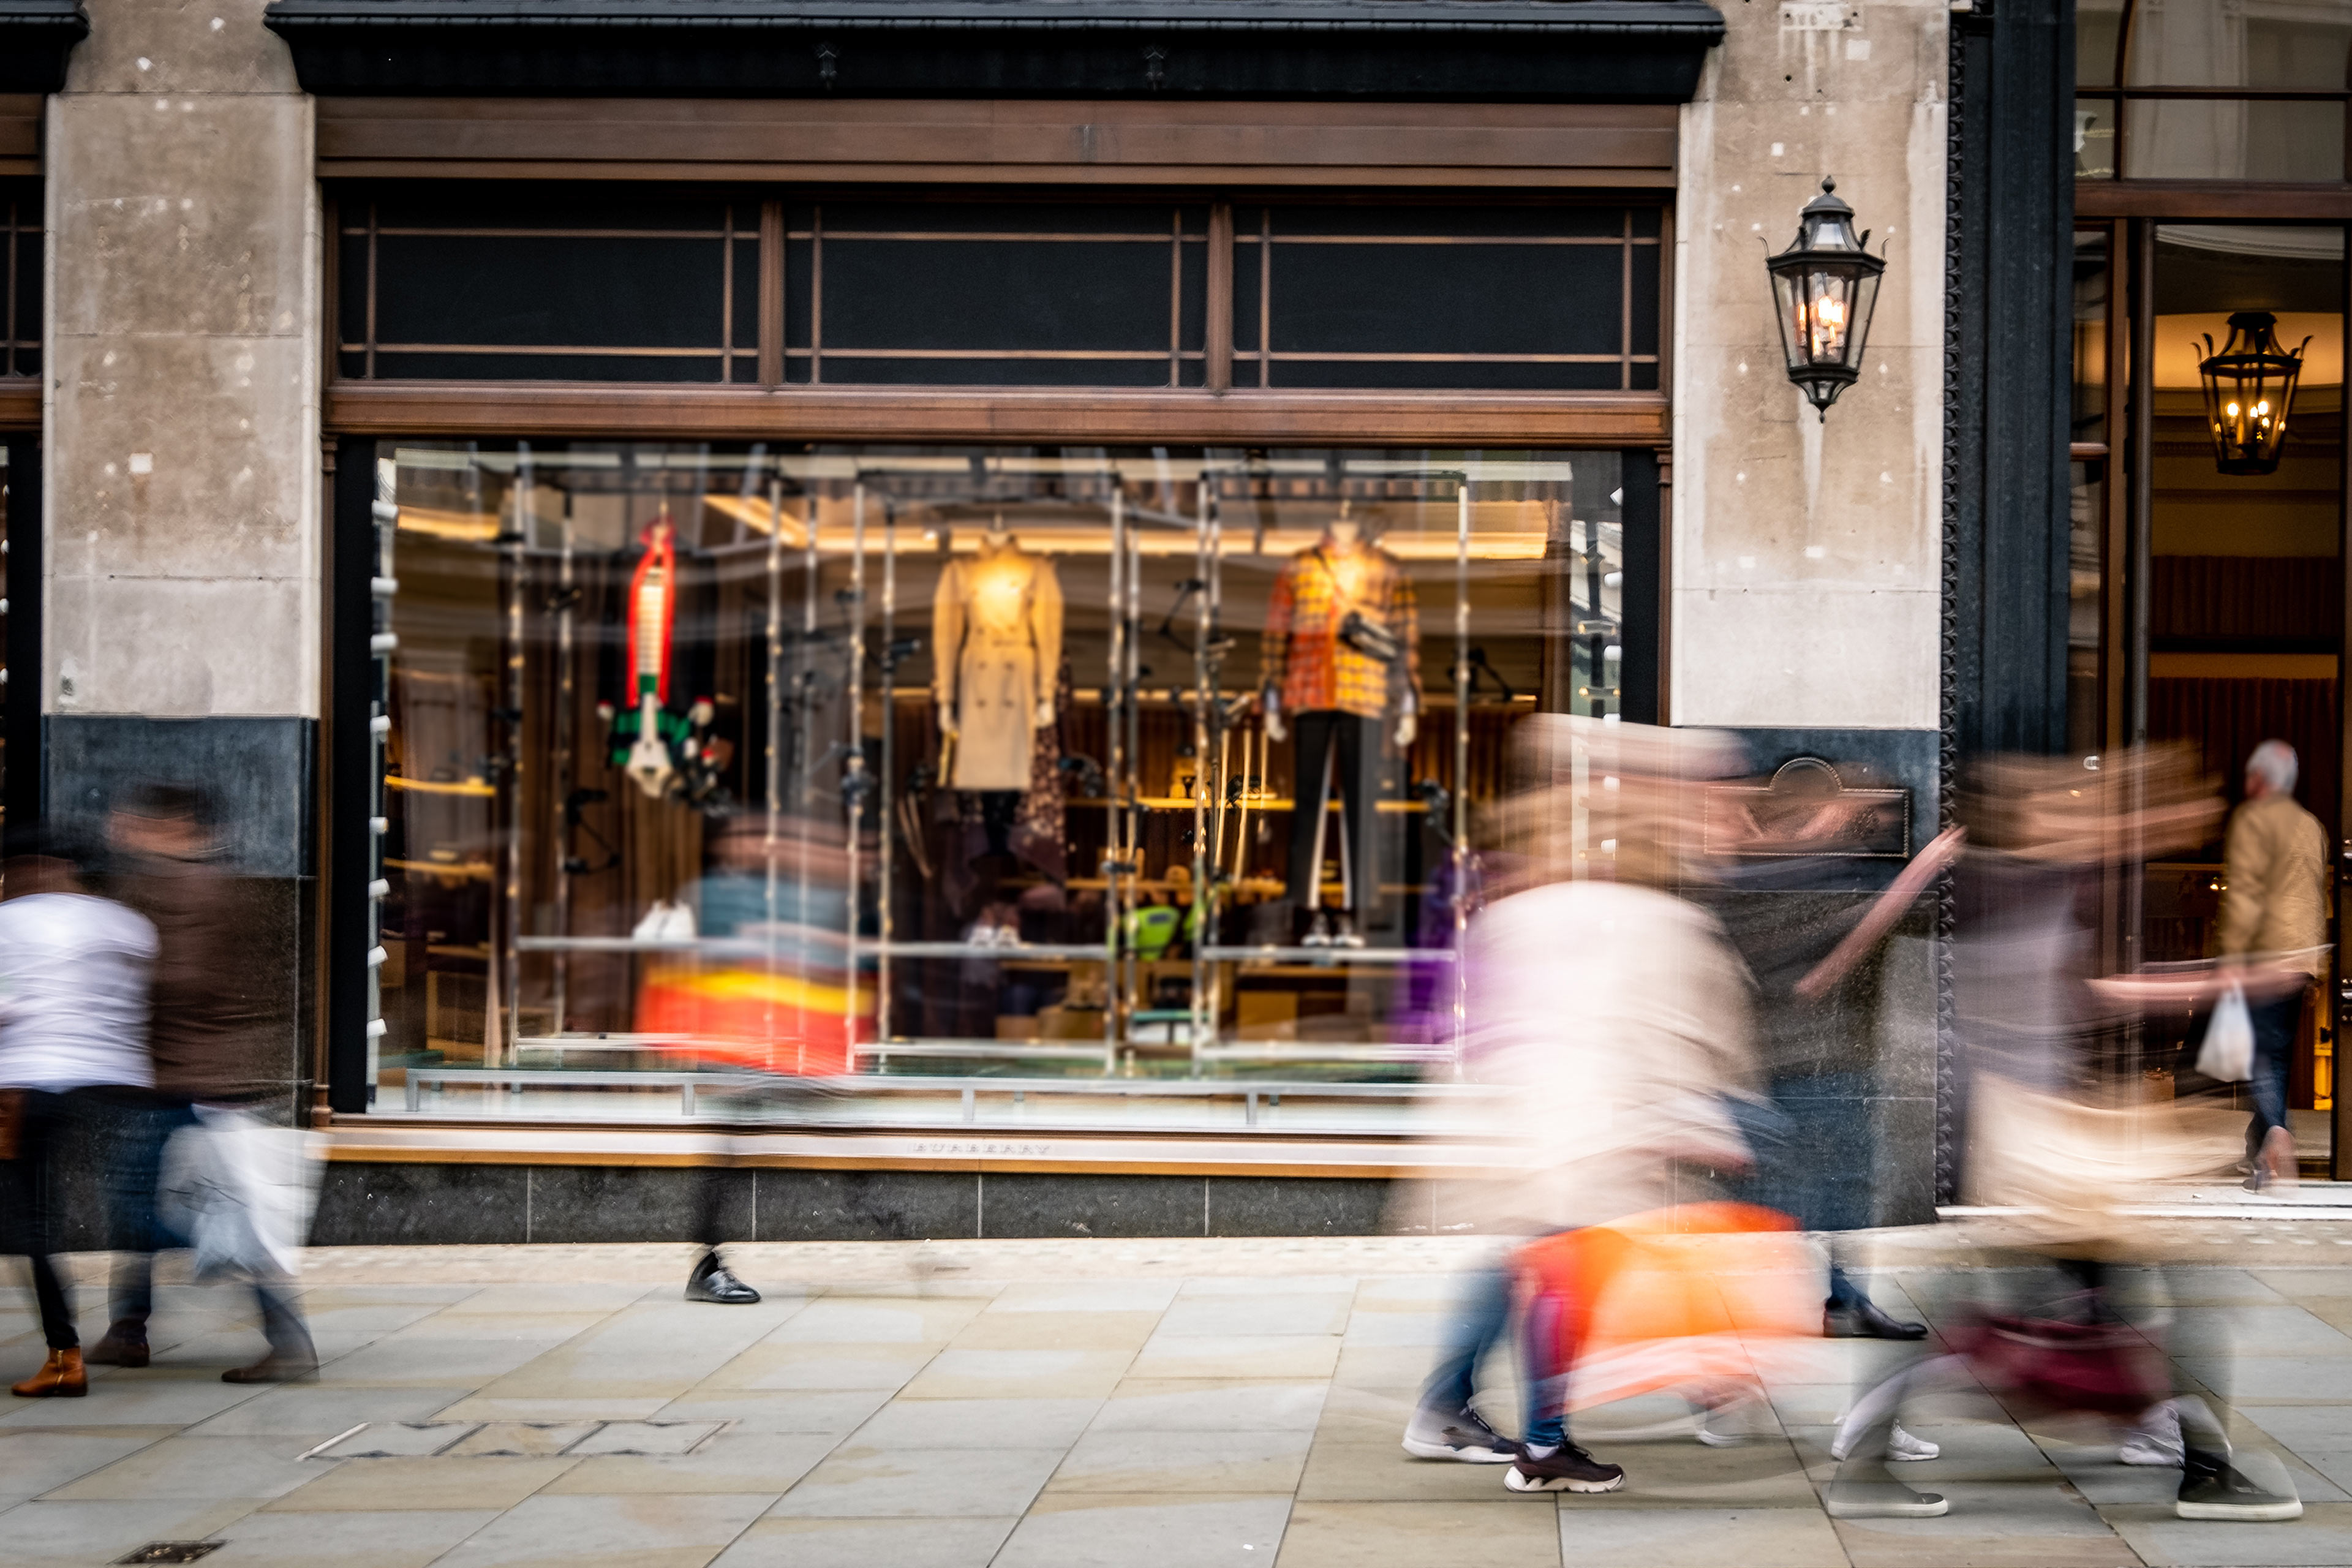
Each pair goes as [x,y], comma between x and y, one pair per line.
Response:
[1306,663]
[747,1017]
[1673,1296]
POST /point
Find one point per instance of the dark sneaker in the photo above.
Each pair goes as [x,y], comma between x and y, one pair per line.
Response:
[711,1281]
[1881,1500]
[1463,1436]
[125,1345]
[1567,1468]
[2212,1488]
[1865,1322]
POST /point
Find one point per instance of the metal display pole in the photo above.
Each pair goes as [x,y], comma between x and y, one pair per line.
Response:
[885,801]
[1461,765]
[1204,784]
[509,958]
[774,794]
[854,780]
[567,765]
[1114,856]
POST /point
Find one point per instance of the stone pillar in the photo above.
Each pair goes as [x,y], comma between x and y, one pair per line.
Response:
[181,443]
[1806,555]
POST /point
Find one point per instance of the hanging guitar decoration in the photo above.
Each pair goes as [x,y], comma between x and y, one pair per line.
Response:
[667,755]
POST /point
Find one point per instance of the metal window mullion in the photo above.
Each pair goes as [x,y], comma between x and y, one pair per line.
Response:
[369,370]
[1176,296]
[816,297]
[726,298]
[1625,308]
[8,326]
[1265,297]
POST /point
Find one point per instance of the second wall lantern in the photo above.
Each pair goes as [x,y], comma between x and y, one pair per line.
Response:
[1825,287]
[2249,390]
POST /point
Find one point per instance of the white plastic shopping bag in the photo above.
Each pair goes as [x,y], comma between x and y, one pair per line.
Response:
[241,1190]
[2228,1054]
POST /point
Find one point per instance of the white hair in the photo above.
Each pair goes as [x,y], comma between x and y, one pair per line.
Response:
[2274,762]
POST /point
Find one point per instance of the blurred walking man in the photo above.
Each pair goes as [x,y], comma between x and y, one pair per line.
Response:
[207,1040]
[73,1058]
[2275,912]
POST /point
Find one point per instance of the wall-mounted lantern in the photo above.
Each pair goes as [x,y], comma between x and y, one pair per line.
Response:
[1825,286]
[2249,390]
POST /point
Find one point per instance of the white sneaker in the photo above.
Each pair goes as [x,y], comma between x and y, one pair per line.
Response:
[680,925]
[655,927]
[2156,1441]
[1902,1448]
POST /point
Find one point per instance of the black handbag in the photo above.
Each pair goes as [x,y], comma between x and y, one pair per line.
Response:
[1358,630]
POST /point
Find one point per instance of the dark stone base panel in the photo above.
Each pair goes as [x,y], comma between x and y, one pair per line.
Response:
[427,1205]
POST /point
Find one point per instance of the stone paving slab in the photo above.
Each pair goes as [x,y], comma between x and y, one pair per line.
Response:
[1061,1404]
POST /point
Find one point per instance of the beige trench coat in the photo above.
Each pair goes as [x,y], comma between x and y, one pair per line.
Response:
[996,637]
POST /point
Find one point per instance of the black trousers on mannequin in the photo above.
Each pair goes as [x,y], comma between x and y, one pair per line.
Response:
[1355,742]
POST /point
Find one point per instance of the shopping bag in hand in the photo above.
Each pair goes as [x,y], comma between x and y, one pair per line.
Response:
[242,1191]
[2228,1054]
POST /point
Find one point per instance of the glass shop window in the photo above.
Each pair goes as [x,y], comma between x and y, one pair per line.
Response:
[920,762]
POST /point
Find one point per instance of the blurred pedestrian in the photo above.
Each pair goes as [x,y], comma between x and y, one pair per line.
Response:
[2274,913]
[74,971]
[1615,1016]
[206,1039]
[1815,1143]
[768,995]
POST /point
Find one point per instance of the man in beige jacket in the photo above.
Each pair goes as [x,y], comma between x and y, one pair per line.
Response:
[2275,914]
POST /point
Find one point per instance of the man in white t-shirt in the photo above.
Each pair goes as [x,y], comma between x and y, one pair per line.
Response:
[73,1037]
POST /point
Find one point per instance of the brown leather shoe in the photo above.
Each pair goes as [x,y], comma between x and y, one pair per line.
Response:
[125,1345]
[60,1377]
[273,1368]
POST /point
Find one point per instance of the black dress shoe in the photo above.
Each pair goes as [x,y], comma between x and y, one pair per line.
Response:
[711,1281]
[1865,1322]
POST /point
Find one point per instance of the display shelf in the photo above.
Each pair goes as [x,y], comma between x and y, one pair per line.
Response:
[1255,803]
[1035,951]
[1328,957]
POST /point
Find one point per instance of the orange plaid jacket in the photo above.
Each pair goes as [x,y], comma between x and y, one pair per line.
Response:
[1308,667]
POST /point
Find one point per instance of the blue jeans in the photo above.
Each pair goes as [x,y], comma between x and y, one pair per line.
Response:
[140,1133]
[1481,1322]
[132,1175]
[2277,1023]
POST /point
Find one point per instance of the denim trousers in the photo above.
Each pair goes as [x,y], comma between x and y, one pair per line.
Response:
[1482,1320]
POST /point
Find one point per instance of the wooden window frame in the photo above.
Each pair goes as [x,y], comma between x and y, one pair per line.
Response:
[1217,413]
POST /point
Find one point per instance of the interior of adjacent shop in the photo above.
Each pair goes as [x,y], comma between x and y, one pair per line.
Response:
[2244,587]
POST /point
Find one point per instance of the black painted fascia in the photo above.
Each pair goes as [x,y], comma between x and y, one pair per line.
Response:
[36,37]
[1500,50]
